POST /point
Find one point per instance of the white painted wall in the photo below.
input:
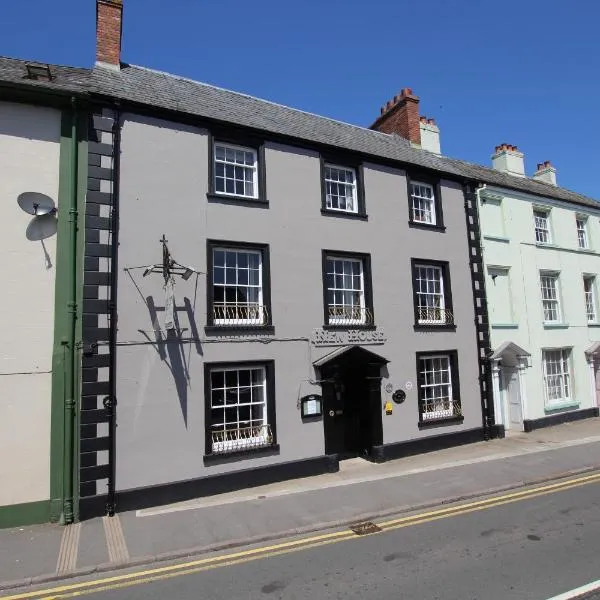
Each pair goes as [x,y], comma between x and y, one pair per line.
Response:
[29,151]
[512,244]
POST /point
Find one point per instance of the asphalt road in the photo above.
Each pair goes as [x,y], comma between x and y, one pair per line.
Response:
[531,549]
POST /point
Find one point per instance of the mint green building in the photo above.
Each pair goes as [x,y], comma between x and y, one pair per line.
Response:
[542,265]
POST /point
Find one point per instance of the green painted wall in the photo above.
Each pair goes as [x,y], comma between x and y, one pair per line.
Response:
[29,513]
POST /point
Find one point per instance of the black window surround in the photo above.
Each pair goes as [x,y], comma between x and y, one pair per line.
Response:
[417,177]
[237,138]
[273,447]
[455,380]
[367,284]
[449,323]
[347,162]
[220,328]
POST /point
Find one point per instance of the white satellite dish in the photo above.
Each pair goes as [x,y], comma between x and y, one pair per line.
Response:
[35,203]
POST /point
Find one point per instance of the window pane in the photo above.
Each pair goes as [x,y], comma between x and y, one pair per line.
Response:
[423,203]
[345,292]
[235,171]
[242,289]
[241,422]
[340,189]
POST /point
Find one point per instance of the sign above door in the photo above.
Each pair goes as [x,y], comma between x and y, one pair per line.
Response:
[345,337]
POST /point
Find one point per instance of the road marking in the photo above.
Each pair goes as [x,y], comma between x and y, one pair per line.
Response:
[115,539]
[578,592]
[195,566]
[69,547]
[497,500]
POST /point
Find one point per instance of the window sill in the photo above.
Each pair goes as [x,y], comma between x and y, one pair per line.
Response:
[240,200]
[497,238]
[238,329]
[547,245]
[431,423]
[345,215]
[593,324]
[556,325]
[552,408]
[441,327]
[345,326]
[504,325]
[417,225]
[210,459]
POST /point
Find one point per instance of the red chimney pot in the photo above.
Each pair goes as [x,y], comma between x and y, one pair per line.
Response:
[401,116]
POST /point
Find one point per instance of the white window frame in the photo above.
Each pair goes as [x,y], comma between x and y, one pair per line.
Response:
[258,307]
[589,293]
[560,379]
[251,435]
[581,223]
[551,300]
[420,205]
[429,407]
[344,320]
[330,182]
[543,229]
[429,295]
[251,168]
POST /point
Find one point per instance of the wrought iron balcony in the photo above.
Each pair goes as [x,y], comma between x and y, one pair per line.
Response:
[240,315]
[440,409]
[431,315]
[349,315]
[243,438]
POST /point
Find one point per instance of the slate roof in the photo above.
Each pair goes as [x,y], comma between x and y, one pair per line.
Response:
[69,80]
[155,88]
[162,90]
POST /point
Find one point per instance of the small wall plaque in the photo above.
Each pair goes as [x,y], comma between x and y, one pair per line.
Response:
[311,406]
[389,387]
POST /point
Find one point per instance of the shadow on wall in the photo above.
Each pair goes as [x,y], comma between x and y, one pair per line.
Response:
[170,344]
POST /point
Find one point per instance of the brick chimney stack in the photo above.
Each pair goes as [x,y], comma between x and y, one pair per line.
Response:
[109,20]
[401,116]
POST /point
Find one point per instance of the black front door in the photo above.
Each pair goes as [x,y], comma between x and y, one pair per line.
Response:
[351,407]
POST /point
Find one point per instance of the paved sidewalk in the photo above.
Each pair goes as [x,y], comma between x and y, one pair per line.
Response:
[360,490]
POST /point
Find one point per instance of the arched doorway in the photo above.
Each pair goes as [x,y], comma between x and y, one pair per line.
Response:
[351,382]
[509,362]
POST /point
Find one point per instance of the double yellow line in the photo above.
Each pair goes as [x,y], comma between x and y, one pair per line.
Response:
[203,564]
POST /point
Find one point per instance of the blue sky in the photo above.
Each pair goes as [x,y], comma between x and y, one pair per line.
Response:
[526,73]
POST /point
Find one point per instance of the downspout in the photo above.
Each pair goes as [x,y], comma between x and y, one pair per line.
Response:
[69,342]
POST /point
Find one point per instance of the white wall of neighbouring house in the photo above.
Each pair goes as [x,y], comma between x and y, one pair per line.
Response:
[29,162]
[514,261]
